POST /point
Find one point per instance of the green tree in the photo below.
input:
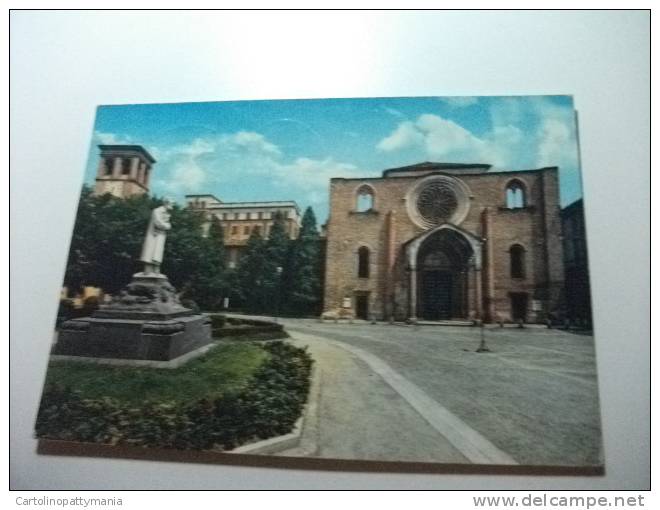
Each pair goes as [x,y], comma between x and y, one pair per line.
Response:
[252,287]
[194,263]
[217,287]
[303,292]
[217,240]
[107,240]
[275,272]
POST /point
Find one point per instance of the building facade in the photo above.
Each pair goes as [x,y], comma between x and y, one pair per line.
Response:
[439,241]
[576,268]
[240,219]
[123,171]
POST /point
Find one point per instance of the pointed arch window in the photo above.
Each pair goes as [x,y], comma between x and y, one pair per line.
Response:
[365,199]
[363,262]
[515,195]
[517,261]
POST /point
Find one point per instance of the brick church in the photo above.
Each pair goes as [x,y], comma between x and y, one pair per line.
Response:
[441,241]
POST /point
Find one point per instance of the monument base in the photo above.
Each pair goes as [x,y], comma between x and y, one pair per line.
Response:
[145,322]
[133,339]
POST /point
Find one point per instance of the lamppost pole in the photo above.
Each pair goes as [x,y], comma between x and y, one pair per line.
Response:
[482,345]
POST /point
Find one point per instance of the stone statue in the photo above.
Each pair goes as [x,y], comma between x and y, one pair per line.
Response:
[154,240]
[146,320]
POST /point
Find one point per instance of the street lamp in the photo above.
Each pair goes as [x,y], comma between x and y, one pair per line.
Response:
[482,345]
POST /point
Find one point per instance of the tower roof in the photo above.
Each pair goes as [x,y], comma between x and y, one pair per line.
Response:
[127,148]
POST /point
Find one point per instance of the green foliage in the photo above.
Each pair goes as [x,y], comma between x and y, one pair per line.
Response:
[304,272]
[277,245]
[295,289]
[194,263]
[276,266]
[107,241]
[268,405]
[217,320]
[250,276]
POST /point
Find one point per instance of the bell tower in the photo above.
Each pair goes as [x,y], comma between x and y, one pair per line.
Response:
[123,171]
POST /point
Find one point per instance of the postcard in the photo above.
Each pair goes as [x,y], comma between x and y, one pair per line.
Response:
[390,280]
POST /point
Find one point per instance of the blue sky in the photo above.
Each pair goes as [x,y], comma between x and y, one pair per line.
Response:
[289,149]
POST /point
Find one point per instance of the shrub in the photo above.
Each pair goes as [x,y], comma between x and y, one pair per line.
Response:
[217,320]
[263,332]
[268,406]
[235,327]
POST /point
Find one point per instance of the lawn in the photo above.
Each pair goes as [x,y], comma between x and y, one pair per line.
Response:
[238,392]
[228,367]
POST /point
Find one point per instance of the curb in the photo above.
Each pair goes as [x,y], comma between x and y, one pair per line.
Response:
[274,444]
[292,439]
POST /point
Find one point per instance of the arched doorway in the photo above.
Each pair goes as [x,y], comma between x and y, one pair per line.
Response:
[442,264]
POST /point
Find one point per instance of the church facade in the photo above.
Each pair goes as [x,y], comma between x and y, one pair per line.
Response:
[441,241]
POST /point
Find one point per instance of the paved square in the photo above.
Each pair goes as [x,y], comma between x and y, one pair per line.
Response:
[534,398]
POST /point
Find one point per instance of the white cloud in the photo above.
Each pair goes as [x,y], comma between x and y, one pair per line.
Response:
[555,144]
[104,138]
[404,136]
[186,176]
[196,148]
[394,112]
[556,137]
[111,138]
[548,139]
[251,141]
[443,137]
[446,140]
[459,101]
[310,174]
[205,163]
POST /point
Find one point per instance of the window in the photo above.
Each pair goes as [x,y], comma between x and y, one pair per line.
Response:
[365,199]
[257,230]
[517,259]
[363,262]
[246,231]
[224,216]
[437,202]
[234,230]
[515,195]
[249,216]
[108,166]
[125,166]
[261,215]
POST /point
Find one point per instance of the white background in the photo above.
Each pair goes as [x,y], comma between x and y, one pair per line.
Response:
[63,64]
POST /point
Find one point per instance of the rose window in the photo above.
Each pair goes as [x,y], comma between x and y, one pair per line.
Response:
[437,202]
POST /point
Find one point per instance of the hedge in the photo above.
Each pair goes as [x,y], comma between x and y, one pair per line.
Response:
[269,406]
[224,327]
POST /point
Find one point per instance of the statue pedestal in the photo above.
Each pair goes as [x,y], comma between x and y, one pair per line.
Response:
[145,322]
